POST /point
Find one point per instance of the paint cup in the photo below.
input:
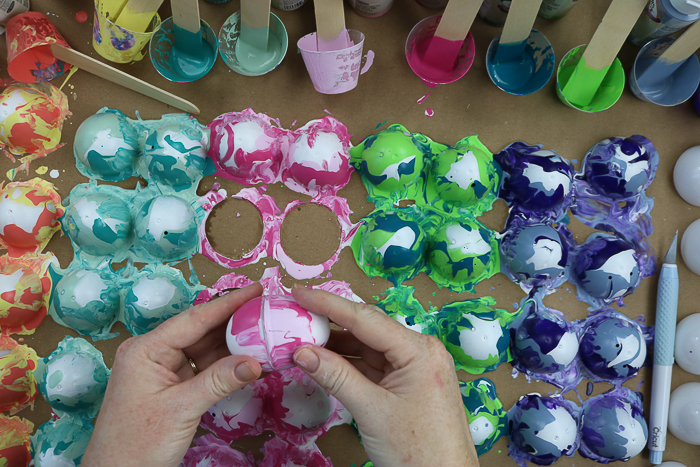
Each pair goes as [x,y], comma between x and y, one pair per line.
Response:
[333,71]
[423,31]
[494,12]
[29,57]
[287,5]
[527,74]
[10,9]
[610,88]
[371,8]
[673,90]
[115,43]
[696,102]
[177,65]
[235,56]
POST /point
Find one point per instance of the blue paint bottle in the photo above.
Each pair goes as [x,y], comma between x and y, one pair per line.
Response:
[662,18]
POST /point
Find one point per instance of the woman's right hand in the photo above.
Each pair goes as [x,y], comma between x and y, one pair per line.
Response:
[400,386]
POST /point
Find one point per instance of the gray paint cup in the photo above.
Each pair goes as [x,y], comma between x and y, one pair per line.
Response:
[659,89]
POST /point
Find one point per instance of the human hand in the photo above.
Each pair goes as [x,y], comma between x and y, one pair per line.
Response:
[154,401]
[399,385]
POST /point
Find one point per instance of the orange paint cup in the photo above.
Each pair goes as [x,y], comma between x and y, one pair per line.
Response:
[29,57]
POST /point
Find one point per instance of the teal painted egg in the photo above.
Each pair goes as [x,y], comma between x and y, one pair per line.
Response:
[87,301]
[391,160]
[176,154]
[487,419]
[106,145]
[394,243]
[166,228]
[152,300]
[99,224]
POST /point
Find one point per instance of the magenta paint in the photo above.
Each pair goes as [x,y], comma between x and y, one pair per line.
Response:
[429,112]
[422,99]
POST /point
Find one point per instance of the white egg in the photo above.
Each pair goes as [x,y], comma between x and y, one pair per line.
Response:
[690,247]
[687,352]
[686,176]
[671,464]
[684,413]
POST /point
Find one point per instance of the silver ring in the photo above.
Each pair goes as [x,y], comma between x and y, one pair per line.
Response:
[194,367]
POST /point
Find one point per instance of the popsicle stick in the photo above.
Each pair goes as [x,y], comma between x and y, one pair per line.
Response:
[255,22]
[672,58]
[186,22]
[453,28]
[109,73]
[602,50]
[137,14]
[521,17]
[330,25]
[111,9]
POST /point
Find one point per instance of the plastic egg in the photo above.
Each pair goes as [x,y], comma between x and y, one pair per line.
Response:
[176,153]
[392,159]
[301,404]
[394,243]
[152,300]
[613,348]
[15,449]
[687,351]
[464,174]
[236,415]
[684,413]
[690,247]
[534,178]
[613,426]
[61,443]
[318,158]
[271,328]
[545,343]
[543,428]
[31,118]
[87,301]
[619,168]
[485,413]
[107,145]
[99,224]
[17,383]
[607,267]
[73,378]
[534,254]
[166,228]
[686,176]
[21,295]
[28,216]
[462,251]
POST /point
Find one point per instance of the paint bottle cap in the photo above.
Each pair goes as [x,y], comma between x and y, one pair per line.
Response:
[687,7]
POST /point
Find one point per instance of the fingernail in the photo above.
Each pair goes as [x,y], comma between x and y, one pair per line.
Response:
[244,372]
[307,359]
[298,286]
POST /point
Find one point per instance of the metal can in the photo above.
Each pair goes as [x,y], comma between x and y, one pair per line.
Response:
[10,8]
[370,8]
[555,9]
[287,5]
[494,12]
[661,18]
[434,4]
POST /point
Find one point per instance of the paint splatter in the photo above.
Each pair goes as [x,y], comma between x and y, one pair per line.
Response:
[381,124]
[369,60]
[429,112]
[53,173]
[422,99]
[42,170]
[81,16]
[327,111]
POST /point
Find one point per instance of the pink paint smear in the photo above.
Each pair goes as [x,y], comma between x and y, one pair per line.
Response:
[429,112]
[369,56]
[422,99]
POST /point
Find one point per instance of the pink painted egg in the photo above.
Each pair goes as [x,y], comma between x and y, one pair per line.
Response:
[271,328]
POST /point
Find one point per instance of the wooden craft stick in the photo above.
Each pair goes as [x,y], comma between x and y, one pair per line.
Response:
[109,73]
[330,25]
[137,15]
[457,19]
[684,46]
[255,22]
[519,21]
[186,15]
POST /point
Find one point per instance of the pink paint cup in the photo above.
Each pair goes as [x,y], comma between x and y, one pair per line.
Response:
[29,57]
[416,44]
[335,71]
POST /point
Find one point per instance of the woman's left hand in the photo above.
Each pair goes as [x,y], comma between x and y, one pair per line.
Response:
[154,400]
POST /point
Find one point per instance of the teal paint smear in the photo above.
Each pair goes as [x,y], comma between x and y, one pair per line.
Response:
[55,379]
[66,440]
[180,55]
[187,41]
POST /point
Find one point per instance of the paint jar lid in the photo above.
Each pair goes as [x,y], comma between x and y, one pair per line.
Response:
[687,7]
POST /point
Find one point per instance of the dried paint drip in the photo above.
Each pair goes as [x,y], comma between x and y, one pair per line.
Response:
[31,120]
[252,148]
[450,186]
[15,443]
[609,427]
[17,383]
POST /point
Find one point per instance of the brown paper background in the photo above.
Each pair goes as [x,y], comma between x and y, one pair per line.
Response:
[389,91]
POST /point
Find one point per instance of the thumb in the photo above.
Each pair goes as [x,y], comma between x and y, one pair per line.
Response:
[338,377]
[220,379]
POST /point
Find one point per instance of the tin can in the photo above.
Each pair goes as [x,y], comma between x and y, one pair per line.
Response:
[555,9]
[661,18]
[494,12]
[10,8]
[287,5]
[370,8]
[434,4]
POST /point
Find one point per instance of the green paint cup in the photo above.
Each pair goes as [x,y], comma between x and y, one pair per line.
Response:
[610,88]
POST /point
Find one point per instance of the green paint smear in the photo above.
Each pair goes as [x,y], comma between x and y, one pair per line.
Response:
[585,88]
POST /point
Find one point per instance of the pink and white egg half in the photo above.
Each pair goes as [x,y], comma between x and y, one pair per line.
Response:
[271,328]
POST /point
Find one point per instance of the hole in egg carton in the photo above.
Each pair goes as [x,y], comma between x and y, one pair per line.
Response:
[234,228]
[407,202]
[310,234]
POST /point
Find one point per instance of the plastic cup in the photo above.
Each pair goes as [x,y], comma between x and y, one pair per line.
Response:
[674,90]
[161,51]
[527,75]
[277,46]
[610,88]
[425,29]
[333,71]
[117,44]
[29,57]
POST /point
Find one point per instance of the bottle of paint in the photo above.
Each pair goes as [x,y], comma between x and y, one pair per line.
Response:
[494,12]
[287,5]
[370,8]
[10,8]
[434,4]
[555,9]
[663,17]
